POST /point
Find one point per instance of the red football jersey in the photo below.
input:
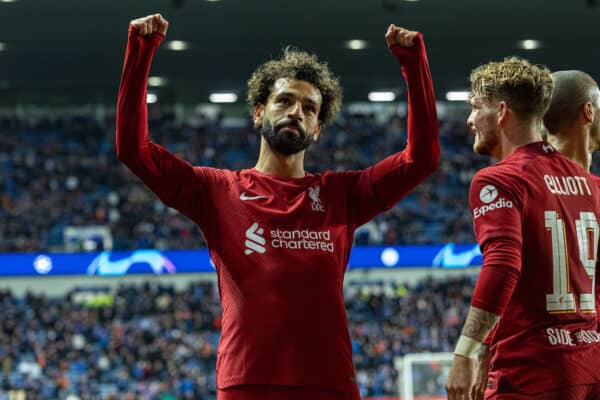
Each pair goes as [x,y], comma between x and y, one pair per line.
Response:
[596,179]
[280,245]
[547,336]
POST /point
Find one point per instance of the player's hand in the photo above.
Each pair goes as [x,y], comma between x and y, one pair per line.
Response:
[150,24]
[481,373]
[396,35]
[460,377]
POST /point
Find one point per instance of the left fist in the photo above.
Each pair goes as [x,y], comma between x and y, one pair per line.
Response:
[396,35]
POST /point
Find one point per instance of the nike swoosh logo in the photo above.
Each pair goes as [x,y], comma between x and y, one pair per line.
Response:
[245,197]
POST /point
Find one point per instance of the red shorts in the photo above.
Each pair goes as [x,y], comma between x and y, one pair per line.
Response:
[267,392]
[579,392]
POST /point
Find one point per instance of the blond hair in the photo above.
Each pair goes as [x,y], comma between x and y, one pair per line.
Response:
[526,88]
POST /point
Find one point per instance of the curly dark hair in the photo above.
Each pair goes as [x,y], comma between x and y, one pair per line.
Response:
[302,66]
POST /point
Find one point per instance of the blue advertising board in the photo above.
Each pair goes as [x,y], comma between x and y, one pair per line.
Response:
[116,263]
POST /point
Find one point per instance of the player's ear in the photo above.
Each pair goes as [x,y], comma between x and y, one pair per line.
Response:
[258,114]
[588,111]
[317,132]
[502,112]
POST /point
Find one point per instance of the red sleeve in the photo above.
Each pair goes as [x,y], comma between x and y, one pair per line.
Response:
[498,277]
[496,209]
[381,186]
[173,180]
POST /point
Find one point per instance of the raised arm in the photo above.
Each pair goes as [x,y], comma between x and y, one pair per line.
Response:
[381,186]
[423,145]
[172,179]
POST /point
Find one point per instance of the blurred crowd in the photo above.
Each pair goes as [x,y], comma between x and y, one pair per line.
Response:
[153,342]
[62,171]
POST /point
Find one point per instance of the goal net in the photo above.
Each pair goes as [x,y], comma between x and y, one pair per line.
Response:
[423,375]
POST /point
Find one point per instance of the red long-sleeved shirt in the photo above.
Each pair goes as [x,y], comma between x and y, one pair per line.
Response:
[280,245]
[535,217]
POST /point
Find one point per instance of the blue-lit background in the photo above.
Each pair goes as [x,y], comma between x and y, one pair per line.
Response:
[116,263]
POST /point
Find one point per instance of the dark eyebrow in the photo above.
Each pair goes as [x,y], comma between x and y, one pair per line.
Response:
[291,94]
[285,94]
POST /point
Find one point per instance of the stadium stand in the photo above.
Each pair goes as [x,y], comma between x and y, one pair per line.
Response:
[151,341]
[62,172]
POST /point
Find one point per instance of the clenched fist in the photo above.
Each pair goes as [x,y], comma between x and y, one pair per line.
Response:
[150,24]
[396,35]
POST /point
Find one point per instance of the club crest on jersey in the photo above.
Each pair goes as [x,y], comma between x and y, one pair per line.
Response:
[313,193]
[488,196]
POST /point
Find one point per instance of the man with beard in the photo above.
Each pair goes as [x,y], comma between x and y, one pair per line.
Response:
[572,123]
[535,218]
[280,237]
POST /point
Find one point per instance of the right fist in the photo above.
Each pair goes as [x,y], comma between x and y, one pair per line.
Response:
[150,24]
[396,35]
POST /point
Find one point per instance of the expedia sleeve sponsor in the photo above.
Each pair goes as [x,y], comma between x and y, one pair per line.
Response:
[500,203]
[496,201]
[489,196]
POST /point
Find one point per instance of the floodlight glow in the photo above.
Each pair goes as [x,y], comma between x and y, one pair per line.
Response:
[178,45]
[223,97]
[530,44]
[356,44]
[156,81]
[151,98]
[457,95]
[382,96]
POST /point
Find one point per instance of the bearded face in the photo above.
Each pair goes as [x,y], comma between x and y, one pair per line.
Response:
[286,137]
[289,121]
